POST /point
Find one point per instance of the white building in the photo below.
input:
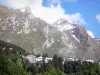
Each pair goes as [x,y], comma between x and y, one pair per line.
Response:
[92,61]
[47,59]
[32,59]
[39,59]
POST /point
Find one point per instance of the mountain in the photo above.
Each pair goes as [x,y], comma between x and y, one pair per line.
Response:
[22,28]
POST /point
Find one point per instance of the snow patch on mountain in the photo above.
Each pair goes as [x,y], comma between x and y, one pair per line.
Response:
[19,32]
[76,38]
[63,25]
[48,44]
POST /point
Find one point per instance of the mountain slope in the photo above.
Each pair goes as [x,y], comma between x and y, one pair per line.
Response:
[68,40]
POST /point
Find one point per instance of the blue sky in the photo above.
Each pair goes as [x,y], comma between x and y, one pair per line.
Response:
[85,10]
[88,9]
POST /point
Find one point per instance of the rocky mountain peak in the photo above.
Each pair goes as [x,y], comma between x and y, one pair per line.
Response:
[67,40]
[25,9]
[63,25]
[81,28]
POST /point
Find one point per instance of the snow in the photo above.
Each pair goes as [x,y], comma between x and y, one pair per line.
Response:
[63,25]
[47,43]
[66,27]
[19,32]
[76,38]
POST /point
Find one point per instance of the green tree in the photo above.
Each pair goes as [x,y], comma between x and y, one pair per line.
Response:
[11,68]
[60,64]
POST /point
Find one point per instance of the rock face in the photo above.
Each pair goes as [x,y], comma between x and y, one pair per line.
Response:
[22,28]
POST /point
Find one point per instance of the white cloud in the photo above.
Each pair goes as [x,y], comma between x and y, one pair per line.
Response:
[23,3]
[91,34]
[98,17]
[49,14]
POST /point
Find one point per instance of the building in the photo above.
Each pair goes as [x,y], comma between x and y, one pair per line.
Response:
[47,59]
[33,59]
[39,59]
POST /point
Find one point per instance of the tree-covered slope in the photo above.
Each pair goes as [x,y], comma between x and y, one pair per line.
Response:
[11,50]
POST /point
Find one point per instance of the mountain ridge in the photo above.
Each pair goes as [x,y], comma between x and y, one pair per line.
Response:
[35,35]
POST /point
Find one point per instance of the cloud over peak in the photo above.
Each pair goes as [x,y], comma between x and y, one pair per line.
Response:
[50,13]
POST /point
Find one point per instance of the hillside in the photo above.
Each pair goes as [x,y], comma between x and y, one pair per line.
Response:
[36,35]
